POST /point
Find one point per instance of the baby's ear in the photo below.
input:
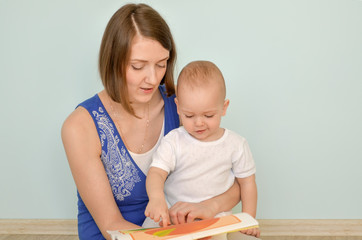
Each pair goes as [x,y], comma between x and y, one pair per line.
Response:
[176,102]
[225,107]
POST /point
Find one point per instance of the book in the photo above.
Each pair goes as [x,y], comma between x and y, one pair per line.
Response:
[190,231]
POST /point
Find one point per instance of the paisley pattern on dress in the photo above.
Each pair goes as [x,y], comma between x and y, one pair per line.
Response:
[121,171]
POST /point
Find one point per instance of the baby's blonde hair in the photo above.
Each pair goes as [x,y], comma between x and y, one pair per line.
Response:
[199,74]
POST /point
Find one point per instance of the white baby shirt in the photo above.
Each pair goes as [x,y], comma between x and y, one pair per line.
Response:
[201,170]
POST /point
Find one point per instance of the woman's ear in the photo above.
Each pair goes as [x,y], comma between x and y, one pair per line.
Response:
[225,107]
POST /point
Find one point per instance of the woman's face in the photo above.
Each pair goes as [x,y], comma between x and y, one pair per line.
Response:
[145,69]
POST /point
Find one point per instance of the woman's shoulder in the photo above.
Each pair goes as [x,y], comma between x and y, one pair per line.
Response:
[79,121]
[79,134]
[81,114]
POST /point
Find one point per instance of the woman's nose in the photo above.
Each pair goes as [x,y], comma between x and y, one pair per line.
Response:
[152,76]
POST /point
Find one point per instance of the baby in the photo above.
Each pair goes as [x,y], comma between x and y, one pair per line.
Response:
[200,159]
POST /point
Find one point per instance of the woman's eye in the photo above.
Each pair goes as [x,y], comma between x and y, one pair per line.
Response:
[135,67]
[161,65]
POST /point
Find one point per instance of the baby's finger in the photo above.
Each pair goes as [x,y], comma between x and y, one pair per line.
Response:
[252,232]
[147,213]
[165,220]
[249,231]
[257,232]
[156,218]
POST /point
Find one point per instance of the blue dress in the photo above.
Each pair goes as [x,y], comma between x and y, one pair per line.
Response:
[126,179]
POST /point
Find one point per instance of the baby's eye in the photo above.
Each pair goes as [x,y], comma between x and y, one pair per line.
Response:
[188,116]
[209,116]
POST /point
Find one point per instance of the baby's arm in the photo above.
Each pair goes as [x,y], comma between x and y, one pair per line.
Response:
[157,207]
[182,212]
[248,194]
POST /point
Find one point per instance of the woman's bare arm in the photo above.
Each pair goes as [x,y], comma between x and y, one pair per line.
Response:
[83,150]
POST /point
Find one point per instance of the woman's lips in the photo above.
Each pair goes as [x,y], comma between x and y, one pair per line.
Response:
[147,90]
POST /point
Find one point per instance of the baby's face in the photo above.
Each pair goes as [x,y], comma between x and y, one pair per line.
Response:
[200,110]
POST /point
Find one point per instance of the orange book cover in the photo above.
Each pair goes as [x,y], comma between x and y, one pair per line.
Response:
[189,231]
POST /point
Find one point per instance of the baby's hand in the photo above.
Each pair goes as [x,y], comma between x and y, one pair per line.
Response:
[252,231]
[158,210]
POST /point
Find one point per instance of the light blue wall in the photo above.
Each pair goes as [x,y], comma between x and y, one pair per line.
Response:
[294,77]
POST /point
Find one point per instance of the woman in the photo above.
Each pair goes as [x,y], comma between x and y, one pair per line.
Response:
[109,139]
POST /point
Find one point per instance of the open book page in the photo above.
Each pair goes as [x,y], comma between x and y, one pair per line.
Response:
[189,231]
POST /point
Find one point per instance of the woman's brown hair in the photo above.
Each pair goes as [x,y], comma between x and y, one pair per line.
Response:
[129,20]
